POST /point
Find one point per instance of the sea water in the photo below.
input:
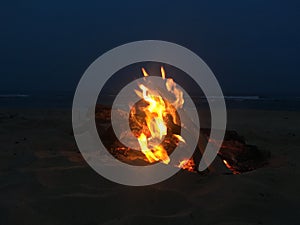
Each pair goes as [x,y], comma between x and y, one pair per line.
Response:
[64,99]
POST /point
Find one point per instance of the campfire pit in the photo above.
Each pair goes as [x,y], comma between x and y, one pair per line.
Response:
[155,123]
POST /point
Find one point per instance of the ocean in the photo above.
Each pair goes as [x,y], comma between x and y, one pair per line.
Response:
[64,100]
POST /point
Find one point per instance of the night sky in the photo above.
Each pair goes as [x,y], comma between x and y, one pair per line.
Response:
[251,46]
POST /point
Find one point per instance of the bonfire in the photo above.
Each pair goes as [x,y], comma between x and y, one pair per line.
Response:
[155,123]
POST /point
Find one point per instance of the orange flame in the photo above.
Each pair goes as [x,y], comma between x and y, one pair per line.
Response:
[187,164]
[226,164]
[155,113]
[230,167]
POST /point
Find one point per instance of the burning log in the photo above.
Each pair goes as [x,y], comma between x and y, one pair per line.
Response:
[237,155]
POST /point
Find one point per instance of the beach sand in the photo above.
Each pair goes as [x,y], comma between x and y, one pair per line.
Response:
[44,179]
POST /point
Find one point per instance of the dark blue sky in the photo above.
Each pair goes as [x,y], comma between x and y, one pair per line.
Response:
[251,46]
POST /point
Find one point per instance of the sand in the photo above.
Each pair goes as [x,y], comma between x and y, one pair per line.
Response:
[44,180]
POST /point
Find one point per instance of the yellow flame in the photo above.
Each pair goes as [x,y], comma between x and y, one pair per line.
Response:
[179,138]
[144,148]
[226,163]
[163,73]
[155,113]
[145,72]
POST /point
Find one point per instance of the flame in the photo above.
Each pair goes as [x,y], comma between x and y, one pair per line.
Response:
[179,138]
[155,114]
[187,164]
[144,147]
[230,167]
[226,164]
[163,73]
[145,72]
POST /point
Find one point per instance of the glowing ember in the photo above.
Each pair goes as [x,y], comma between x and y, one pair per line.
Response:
[156,111]
[187,164]
[230,167]
[226,164]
